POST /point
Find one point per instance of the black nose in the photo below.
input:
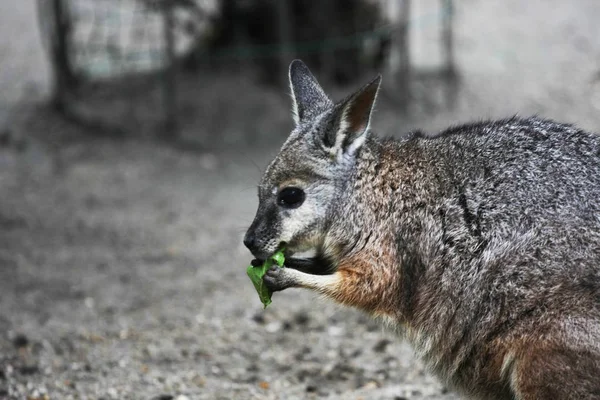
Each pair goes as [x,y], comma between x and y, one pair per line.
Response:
[250,241]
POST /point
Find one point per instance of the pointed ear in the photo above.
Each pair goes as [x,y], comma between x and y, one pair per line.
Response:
[353,120]
[308,98]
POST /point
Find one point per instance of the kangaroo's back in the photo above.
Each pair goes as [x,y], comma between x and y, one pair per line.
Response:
[537,168]
[515,244]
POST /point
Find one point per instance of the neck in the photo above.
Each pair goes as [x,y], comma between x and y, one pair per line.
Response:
[396,194]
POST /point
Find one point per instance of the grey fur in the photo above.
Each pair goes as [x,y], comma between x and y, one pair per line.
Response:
[308,97]
[481,245]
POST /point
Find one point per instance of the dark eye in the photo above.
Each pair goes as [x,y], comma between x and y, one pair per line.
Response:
[291,197]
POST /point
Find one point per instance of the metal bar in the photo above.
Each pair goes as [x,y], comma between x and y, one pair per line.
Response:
[284,25]
[448,36]
[64,78]
[401,48]
[449,73]
[169,81]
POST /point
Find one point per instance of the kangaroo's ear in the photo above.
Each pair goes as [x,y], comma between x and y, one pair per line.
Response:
[352,118]
[307,95]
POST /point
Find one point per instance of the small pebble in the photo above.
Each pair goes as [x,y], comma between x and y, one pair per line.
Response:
[370,385]
[301,318]
[311,388]
[28,369]
[335,330]
[273,327]
[20,341]
[381,345]
[112,393]
[89,302]
[259,318]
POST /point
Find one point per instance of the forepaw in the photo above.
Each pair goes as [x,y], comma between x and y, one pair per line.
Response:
[278,279]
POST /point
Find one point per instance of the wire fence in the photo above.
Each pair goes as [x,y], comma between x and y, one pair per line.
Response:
[106,46]
[109,40]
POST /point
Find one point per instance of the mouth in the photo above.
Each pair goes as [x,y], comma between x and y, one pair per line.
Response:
[308,260]
[262,255]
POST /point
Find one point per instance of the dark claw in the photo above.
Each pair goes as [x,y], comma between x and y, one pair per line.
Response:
[276,279]
[314,266]
[301,264]
[256,262]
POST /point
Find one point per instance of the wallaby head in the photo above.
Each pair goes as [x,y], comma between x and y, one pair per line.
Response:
[306,179]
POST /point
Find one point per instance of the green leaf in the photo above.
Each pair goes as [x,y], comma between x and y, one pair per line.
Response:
[256,276]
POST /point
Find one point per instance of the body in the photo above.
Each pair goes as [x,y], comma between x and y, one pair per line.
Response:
[481,245]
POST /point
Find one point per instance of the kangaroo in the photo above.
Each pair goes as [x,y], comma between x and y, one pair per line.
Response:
[481,244]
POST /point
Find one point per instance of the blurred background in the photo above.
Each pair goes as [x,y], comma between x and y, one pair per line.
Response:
[133,134]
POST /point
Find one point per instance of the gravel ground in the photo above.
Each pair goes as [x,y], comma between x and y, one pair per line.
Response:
[121,263]
[123,278]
